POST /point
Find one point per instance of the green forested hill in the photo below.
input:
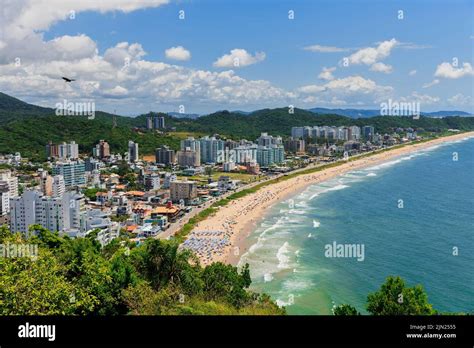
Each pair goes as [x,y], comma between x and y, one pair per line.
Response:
[279,122]
[14,109]
[30,135]
[27,128]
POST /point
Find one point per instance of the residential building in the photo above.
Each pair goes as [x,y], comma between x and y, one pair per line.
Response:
[192,144]
[149,122]
[268,140]
[228,166]
[158,122]
[252,167]
[183,190]
[132,152]
[46,182]
[54,213]
[368,132]
[188,158]
[6,175]
[244,153]
[91,164]
[58,186]
[152,181]
[4,200]
[72,172]
[354,133]
[165,155]
[297,132]
[101,150]
[295,145]
[168,179]
[267,156]
[62,151]
[211,149]
[98,220]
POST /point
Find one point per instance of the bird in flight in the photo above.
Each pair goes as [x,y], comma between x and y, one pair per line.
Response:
[67,79]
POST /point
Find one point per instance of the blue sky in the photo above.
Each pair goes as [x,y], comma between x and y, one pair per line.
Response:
[434,41]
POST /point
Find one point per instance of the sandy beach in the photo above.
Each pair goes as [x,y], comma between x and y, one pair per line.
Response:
[222,237]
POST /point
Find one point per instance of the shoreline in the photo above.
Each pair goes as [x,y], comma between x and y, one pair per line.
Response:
[238,219]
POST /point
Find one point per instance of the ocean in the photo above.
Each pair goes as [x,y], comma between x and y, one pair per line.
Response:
[412,216]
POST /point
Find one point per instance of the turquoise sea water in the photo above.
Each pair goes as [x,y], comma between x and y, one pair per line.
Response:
[416,241]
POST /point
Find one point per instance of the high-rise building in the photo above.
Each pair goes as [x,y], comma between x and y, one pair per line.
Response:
[4,199]
[211,149]
[267,156]
[168,179]
[152,181]
[368,132]
[158,122]
[354,133]
[54,213]
[244,153]
[6,175]
[297,132]
[183,190]
[267,140]
[46,182]
[149,122]
[295,145]
[191,143]
[71,171]
[58,186]
[165,155]
[62,151]
[188,158]
[91,164]
[132,152]
[101,150]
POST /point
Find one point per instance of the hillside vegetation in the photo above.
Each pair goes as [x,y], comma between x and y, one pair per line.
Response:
[27,128]
[77,277]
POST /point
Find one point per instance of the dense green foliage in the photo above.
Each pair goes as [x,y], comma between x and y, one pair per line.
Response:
[27,128]
[77,277]
[279,122]
[345,309]
[393,298]
[29,136]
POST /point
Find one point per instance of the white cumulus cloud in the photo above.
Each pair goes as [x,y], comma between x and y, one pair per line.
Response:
[372,55]
[326,74]
[238,57]
[381,67]
[178,53]
[449,71]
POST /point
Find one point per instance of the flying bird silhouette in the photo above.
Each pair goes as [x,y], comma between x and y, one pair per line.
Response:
[67,79]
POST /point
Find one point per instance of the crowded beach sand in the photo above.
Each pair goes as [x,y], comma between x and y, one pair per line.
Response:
[221,237]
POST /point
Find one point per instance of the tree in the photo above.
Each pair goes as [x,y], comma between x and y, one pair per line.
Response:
[4,232]
[91,193]
[345,309]
[78,277]
[162,263]
[44,237]
[38,287]
[394,298]
[208,171]
[224,282]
